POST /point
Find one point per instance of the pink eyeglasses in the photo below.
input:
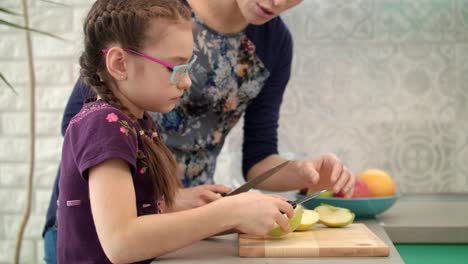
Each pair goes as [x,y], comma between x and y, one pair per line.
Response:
[178,71]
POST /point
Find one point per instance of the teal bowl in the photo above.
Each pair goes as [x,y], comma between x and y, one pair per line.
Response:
[367,207]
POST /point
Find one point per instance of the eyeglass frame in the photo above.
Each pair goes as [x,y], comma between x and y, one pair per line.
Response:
[173,68]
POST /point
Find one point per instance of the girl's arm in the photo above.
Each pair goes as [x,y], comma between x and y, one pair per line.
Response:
[188,198]
[128,238]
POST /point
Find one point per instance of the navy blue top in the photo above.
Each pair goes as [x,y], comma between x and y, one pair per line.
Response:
[235,74]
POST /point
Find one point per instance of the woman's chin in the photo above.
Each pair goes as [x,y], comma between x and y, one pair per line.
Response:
[258,21]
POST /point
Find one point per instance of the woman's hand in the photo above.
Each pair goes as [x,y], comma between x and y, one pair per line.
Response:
[188,198]
[324,172]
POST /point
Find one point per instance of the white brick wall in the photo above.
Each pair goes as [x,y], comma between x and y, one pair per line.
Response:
[56,64]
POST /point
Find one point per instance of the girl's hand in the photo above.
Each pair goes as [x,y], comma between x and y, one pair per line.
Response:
[258,213]
[324,172]
[188,198]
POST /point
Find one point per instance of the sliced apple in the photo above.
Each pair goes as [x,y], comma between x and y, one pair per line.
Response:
[326,194]
[294,222]
[332,216]
[323,194]
[309,218]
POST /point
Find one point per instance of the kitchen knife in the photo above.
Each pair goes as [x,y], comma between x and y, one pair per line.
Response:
[305,199]
[255,181]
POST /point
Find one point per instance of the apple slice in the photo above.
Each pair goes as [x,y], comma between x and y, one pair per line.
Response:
[294,222]
[309,218]
[332,216]
[326,194]
[323,194]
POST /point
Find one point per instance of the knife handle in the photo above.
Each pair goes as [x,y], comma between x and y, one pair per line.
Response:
[291,203]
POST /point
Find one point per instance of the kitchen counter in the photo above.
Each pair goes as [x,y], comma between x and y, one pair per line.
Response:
[224,249]
[421,226]
[433,253]
[441,218]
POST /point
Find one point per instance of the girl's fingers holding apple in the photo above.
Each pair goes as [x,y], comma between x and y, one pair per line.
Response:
[285,208]
[269,225]
[283,222]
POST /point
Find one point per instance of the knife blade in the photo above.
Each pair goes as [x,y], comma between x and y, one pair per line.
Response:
[255,181]
[305,199]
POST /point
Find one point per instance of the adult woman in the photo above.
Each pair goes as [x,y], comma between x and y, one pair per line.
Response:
[244,55]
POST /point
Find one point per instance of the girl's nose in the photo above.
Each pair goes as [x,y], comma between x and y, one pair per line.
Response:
[185,83]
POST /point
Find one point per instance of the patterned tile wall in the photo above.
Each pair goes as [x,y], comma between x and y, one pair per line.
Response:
[381,83]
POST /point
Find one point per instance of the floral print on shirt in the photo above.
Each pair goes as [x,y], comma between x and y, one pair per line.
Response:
[124,129]
[228,75]
[125,126]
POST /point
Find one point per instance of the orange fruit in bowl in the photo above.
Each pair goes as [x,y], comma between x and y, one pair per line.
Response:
[379,182]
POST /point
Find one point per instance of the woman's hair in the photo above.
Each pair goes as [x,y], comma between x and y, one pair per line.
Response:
[125,22]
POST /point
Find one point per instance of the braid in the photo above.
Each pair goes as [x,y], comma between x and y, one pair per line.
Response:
[125,22]
[157,153]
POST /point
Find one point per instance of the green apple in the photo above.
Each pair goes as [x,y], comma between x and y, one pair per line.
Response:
[309,218]
[294,222]
[324,194]
[332,216]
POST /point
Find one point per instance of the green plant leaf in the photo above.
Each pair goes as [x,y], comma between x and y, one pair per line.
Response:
[7,83]
[17,26]
[4,22]
[4,10]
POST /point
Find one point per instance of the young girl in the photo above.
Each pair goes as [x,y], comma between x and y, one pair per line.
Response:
[115,168]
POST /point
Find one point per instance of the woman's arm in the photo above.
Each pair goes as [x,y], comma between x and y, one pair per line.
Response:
[260,150]
[322,172]
[79,94]
[260,146]
[128,238]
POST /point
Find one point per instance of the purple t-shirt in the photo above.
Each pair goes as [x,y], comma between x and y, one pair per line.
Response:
[99,132]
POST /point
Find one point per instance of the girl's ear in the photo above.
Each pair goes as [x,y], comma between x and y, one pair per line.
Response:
[116,63]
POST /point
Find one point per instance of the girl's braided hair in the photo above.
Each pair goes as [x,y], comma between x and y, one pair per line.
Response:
[125,22]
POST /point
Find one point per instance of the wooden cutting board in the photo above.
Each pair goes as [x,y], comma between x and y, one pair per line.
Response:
[319,241]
